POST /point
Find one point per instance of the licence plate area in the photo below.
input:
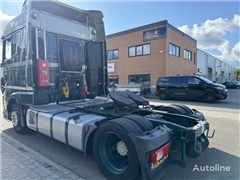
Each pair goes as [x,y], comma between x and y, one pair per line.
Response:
[154,165]
[201,128]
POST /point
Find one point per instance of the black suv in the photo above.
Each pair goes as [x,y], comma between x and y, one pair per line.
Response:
[190,87]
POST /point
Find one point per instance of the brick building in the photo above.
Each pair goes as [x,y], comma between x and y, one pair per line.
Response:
[144,53]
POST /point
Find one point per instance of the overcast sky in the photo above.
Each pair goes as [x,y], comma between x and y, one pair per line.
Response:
[215,25]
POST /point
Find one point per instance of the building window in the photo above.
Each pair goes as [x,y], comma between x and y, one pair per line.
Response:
[146,49]
[139,50]
[113,54]
[174,50]
[131,51]
[139,78]
[187,54]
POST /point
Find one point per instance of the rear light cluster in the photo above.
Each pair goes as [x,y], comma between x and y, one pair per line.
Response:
[158,154]
[83,90]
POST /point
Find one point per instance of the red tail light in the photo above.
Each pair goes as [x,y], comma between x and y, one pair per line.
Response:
[83,90]
[159,153]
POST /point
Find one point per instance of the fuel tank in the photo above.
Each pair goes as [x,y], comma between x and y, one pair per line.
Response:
[64,124]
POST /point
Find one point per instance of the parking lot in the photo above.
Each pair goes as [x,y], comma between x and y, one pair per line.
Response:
[223,151]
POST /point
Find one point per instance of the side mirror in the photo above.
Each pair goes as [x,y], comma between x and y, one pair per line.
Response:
[201,83]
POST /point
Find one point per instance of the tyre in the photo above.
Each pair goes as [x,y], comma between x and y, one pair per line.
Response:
[16,119]
[114,151]
[170,110]
[141,122]
[185,108]
[162,96]
[210,98]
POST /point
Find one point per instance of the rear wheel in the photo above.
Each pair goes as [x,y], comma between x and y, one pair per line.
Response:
[170,110]
[162,96]
[210,98]
[114,151]
[16,119]
[141,122]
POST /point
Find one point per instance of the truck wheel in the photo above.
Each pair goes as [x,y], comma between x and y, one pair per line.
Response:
[170,110]
[210,98]
[16,119]
[114,151]
[185,108]
[141,122]
[162,96]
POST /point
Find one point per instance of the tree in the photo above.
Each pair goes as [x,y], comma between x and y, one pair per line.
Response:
[238,74]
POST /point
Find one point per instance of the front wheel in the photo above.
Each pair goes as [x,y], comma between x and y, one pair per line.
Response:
[16,119]
[114,151]
[210,98]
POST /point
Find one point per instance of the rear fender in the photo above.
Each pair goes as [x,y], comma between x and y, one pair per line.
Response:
[146,143]
[182,109]
[89,139]
[88,144]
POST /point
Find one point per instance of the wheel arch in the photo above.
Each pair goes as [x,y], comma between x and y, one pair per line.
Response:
[23,108]
[12,100]
[88,146]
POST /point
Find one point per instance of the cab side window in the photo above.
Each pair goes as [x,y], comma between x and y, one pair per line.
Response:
[8,49]
[16,46]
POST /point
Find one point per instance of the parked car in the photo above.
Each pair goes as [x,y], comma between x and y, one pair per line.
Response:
[190,87]
[237,82]
[231,85]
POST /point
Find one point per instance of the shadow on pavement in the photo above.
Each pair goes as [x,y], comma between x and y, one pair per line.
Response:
[212,164]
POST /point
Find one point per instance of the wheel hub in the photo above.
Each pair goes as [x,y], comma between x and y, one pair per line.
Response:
[122,148]
[14,118]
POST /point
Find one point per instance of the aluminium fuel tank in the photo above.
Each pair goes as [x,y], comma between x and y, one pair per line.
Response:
[62,123]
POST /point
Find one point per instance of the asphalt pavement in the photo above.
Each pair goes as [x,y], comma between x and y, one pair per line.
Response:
[56,161]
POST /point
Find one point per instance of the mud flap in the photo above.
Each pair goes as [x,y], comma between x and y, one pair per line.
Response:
[147,143]
[196,148]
